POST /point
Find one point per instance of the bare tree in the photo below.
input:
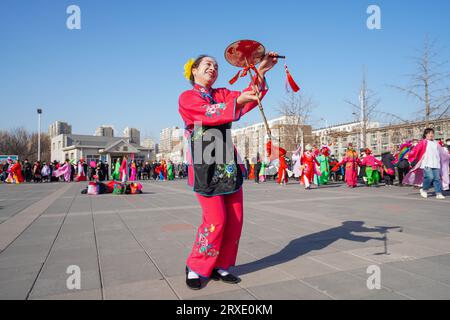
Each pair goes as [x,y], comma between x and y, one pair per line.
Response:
[425,84]
[20,142]
[365,109]
[297,109]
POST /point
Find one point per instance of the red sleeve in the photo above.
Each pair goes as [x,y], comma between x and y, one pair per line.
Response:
[415,151]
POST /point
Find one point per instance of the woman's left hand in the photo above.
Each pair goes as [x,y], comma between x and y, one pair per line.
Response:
[268,62]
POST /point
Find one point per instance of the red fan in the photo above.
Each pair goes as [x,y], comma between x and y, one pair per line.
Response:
[247,54]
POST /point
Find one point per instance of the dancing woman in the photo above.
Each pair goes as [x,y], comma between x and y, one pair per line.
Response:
[214,171]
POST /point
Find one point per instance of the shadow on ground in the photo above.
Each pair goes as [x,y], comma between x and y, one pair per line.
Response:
[312,242]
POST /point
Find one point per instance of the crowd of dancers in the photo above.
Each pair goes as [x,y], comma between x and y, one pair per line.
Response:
[16,171]
[423,163]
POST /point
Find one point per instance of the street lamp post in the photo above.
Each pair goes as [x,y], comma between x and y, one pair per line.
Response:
[39,112]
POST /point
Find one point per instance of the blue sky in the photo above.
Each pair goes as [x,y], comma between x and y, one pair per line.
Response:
[125,66]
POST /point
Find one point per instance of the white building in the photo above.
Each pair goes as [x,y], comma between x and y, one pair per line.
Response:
[171,144]
[250,141]
[351,131]
[107,149]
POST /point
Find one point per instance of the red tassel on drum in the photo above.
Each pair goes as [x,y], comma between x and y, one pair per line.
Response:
[290,80]
[269,148]
[234,79]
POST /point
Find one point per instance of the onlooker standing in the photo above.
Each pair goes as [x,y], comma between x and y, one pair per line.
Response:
[28,174]
[388,160]
[257,170]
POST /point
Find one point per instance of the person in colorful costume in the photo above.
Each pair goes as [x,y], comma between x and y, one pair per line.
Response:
[15,172]
[308,162]
[278,153]
[116,173]
[429,160]
[351,162]
[133,171]
[216,174]
[323,160]
[81,175]
[262,172]
[123,170]
[170,171]
[65,171]
[372,164]
[401,161]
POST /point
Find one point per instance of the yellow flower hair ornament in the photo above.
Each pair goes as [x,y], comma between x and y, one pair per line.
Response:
[188,69]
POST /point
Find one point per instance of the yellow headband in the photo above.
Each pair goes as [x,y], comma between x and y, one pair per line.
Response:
[188,69]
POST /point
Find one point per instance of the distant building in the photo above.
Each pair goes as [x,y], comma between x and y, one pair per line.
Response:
[378,138]
[151,145]
[287,132]
[171,144]
[337,137]
[102,146]
[59,127]
[133,135]
[105,131]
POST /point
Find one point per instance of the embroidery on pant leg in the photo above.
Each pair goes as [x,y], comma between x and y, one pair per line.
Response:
[203,243]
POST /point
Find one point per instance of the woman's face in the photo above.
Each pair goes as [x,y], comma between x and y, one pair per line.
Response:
[430,135]
[207,72]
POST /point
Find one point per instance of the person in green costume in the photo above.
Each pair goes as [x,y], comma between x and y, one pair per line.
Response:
[170,173]
[324,165]
[116,173]
[262,172]
[372,164]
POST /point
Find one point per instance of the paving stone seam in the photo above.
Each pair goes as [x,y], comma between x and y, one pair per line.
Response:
[102,290]
[400,270]
[123,211]
[50,249]
[150,257]
[25,214]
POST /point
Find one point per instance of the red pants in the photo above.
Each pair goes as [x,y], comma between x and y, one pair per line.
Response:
[282,175]
[217,240]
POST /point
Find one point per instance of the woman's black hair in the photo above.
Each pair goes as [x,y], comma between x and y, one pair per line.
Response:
[427,131]
[196,64]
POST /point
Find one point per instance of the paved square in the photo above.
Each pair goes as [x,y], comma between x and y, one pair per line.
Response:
[296,244]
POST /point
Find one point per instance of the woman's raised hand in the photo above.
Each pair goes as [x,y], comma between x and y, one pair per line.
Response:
[248,96]
[268,62]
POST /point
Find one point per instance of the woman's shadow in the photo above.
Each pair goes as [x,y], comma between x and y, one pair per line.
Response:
[314,241]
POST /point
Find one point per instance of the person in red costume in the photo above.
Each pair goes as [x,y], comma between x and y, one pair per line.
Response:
[308,161]
[124,170]
[280,153]
[351,162]
[81,176]
[215,172]
[16,172]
